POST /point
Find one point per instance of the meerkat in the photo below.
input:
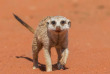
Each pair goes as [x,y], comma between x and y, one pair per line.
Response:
[52,31]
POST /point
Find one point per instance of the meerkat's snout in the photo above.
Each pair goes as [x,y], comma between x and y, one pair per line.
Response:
[58,29]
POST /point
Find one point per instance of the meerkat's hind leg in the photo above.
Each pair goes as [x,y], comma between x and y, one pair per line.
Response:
[64,56]
[36,47]
[59,54]
[59,57]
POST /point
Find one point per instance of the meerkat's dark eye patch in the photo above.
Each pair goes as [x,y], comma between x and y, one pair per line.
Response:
[69,23]
[53,22]
[62,22]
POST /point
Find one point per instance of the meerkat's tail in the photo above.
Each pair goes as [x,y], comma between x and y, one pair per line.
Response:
[24,24]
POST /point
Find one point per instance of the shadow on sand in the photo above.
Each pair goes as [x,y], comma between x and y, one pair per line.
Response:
[42,67]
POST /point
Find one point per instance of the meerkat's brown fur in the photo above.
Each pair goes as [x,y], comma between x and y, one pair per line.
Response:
[44,38]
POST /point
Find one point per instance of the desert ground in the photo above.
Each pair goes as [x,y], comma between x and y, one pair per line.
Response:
[89,35]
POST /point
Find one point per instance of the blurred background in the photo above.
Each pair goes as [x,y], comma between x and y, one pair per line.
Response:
[89,36]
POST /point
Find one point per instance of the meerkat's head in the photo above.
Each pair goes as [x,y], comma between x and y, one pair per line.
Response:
[58,23]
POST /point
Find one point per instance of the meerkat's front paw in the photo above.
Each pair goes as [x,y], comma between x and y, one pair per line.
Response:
[35,67]
[60,66]
[49,70]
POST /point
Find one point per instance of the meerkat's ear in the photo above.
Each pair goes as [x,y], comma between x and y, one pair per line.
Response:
[47,23]
[69,23]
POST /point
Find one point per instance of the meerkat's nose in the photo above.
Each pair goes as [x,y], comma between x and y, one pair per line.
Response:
[58,28]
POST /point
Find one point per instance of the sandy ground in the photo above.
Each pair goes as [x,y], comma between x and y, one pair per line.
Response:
[89,36]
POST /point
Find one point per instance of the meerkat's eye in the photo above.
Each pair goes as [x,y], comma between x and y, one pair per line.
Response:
[62,22]
[53,22]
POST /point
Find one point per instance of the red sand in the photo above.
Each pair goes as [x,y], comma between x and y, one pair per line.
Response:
[89,36]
